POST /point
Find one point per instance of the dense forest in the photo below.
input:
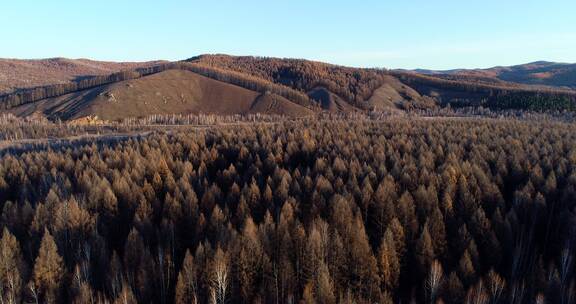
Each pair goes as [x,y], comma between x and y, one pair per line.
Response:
[401,211]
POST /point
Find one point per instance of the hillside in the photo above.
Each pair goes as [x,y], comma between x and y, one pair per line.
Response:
[540,73]
[21,74]
[351,84]
[222,84]
[335,87]
[470,93]
[167,92]
[394,94]
[383,89]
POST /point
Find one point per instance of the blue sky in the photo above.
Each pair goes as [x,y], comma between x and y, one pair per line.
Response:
[434,34]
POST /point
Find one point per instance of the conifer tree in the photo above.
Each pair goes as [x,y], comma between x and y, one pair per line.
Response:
[49,270]
[389,262]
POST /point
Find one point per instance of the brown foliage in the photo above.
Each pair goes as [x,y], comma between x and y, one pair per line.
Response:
[284,213]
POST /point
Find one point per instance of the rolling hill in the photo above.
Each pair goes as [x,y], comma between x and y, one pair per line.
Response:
[167,92]
[222,84]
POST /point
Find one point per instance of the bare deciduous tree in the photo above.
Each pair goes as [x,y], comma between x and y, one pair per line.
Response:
[434,280]
[219,280]
[477,294]
[496,286]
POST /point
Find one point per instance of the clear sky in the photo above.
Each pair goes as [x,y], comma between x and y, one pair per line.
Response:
[434,34]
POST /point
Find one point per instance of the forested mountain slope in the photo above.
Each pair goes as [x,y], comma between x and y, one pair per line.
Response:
[468,92]
[305,87]
[341,84]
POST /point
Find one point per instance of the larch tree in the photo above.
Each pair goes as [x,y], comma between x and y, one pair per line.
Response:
[49,270]
[437,231]
[399,237]
[424,250]
[384,205]
[247,265]
[477,294]
[454,289]
[389,262]
[466,268]
[407,215]
[324,285]
[308,294]
[126,296]
[187,284]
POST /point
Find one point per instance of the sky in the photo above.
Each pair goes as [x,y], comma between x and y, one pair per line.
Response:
[430,34]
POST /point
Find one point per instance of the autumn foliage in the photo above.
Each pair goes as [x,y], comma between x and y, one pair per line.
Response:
[430,211]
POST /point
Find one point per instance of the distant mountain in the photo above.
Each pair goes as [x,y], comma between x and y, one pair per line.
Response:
[535,73]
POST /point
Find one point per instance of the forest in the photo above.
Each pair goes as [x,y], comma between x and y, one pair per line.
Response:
[448,210]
